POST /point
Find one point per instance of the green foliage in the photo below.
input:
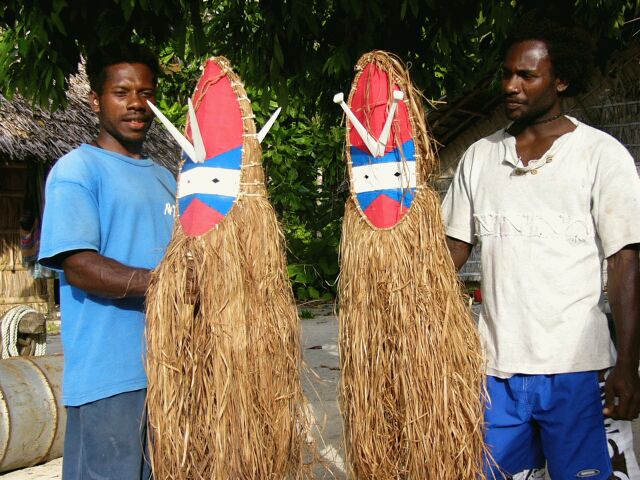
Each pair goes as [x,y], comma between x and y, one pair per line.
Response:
[302,157]
[306,314]
[293,53]
[42,41]
[302,48]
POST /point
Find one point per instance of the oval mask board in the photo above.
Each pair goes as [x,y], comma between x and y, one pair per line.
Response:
[207,191]
[385,186]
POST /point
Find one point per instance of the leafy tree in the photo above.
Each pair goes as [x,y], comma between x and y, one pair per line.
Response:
[41,40]
[301,48]
[297,53]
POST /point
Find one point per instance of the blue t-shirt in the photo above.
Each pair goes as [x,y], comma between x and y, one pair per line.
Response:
[122,208]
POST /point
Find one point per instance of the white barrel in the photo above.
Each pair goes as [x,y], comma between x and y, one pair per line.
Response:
[32,417]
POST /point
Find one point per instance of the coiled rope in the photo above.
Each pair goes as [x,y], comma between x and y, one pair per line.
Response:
[9,331]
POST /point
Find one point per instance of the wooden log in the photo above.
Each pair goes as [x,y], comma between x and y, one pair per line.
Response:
[32,323]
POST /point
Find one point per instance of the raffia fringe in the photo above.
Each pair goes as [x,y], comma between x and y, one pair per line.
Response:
[412,387]
[224,396]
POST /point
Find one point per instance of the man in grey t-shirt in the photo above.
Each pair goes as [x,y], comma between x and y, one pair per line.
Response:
[549,198]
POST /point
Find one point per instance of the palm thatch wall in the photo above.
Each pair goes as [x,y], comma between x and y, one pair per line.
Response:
[17,286]
[612,104]
[32,136]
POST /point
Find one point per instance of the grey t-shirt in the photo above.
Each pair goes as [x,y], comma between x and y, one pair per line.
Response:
[545,231]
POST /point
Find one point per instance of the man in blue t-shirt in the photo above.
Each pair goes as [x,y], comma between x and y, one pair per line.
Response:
[107,221]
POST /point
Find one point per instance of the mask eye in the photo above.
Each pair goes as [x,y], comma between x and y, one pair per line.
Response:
[384,176]
[209,181]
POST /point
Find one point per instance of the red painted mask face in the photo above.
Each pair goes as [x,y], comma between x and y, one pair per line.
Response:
[384,185]
[207,191]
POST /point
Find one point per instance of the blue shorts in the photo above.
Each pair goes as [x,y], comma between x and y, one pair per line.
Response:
[554,418]
[106,439]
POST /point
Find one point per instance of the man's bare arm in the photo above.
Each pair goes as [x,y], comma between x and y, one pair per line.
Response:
[624,297]
[459,251]
[103,276]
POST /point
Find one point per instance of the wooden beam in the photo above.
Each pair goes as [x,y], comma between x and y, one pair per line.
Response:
[491,104]
[21,300]
[458,104]
[474,114]
[14,166]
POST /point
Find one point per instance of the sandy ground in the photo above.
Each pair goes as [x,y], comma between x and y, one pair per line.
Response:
[319,337]
[48,471]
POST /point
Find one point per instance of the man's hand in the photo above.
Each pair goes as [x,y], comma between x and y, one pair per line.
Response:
[104,276]
[622,393]
[192,292]
[459,251]
[623,384]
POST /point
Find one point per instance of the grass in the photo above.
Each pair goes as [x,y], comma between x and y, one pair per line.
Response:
[53,328]
[304,313]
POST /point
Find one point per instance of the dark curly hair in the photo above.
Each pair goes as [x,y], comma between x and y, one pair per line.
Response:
[100,59]
[570,47]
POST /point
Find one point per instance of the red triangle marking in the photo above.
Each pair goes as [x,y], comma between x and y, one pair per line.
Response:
[198,218]
[218,111]
[385,212]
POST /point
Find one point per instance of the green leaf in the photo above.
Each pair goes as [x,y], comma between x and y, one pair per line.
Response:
[127,8]
[277,50]
[413,4]
[55,19]
[302,293]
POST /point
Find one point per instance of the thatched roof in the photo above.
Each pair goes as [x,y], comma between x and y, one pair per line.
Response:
[29,132]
